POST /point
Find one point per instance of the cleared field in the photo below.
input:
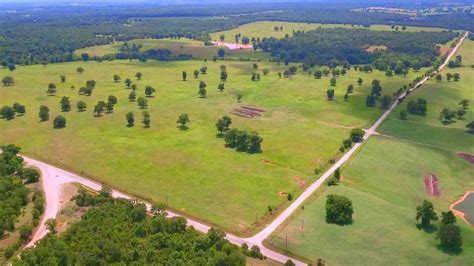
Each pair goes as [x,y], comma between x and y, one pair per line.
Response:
[191,170]
[177,46]
[385,183]
[262,29]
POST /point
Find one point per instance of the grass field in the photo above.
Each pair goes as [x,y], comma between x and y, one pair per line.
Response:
[262,29]
[182,46]
[385,182]
[191,170]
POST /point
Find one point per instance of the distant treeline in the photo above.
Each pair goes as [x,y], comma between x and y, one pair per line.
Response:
[52,34]
[335,46]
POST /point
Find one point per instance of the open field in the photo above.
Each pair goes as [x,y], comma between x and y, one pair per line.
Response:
[385,183]
[440,95]
[177,46]
[191,170]
[261,29]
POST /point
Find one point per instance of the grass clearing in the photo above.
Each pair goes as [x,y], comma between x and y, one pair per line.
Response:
[191,170]
[261,29]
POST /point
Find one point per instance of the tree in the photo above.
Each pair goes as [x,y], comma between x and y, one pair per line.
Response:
[63,78]
[203,70]
[456,76]
[245,40]
[370,101]
[59,122]
[386,101]
[19,108]
[65,104]
[357,134]
[149,90]
[128,82]
[80,70]
[265,71]
[81,106]
[112,99]
[183,119]
[449,76]
[461,113]
[403,115]
[8,81]
[224,75]
[11,67]
[360,81]
[134,87]
[221,87]
[449,236]
[426,214]
[418,107]
[464,103]
[376,88]
[448,218]
[116,78]
[346,97]
[30,175]
[132,96]
[109,107]
[51,89]
[330,94]
[202,89]
[289,263]
[130,119]
[139,75]
[333,81]
[470,127]
[196,74]
[439,77]
[146,119]
[142,102]
[446,115]
[51,225]
[99,108]
[184,75]
[339,209]
[221,52]
[43,113]
[350,88]
[7,113]
[337,173]
[84,56]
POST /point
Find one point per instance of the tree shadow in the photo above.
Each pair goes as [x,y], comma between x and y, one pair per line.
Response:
[450,251]
[182,127]
[129,125]
[430,229]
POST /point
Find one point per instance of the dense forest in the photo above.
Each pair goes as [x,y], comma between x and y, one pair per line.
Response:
[120,231]
[336,46]
[51,34]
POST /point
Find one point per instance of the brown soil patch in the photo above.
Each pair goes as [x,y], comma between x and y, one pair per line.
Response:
[300,181]
[68,191]
[341,178]
[444,50]
[267,161]
[432,185]
[467,157]
[375,48]
[282,193]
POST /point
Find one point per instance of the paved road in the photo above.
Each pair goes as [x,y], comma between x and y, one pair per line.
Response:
[53,178]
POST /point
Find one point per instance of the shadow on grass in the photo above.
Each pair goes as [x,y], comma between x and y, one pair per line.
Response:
[182,127]
[430,229]
[450,251]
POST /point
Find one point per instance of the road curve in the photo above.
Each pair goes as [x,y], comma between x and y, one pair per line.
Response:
[53,178]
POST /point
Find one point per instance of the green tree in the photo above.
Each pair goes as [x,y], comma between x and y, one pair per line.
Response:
[51,89]
[99,108]
[112,99]
[7,112]
[51,225]
[350,88]
[221,87]
[80,70]
[196,74]
[116,78]
[330,94]
[146,119]
[339,209]
[223,75]
[357,134]
[439,77]
[130,119]
[448,218]
[59,122]
[43,113]
[183,119]
[202,89]
[65,104]
[81,106]
[360,81]
[456,76]
[139,75]
[333,81]
[142,102]
[449,76]
[221,52]
[449,236]
[184,75]
[132,96]
[386,101]
[426,214]
[470,127]
[20,109]
[8,81]
[203,70]
[464,103]
[128,82]
[109,107]
[370,101]
[318,74]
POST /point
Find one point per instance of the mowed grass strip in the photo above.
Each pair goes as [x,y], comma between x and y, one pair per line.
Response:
[261,29]
[385,183]
[191,170]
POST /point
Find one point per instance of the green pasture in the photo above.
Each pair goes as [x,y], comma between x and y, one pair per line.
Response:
[261,29]
[191,169]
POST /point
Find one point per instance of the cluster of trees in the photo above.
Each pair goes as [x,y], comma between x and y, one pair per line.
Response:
[417,107]
[457,62]
[339,210]
[447,115]
[328,46]
[449,234]
[243,141]
[375,93]
[9,112]
[117,231]
[146,120]
[14,195]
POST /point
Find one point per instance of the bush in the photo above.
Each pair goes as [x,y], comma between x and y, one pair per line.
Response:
[357,134]
[31,175]
[59,122]
[338,210]
[332,181]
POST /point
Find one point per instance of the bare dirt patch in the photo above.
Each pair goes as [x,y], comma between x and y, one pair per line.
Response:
[467,157]
[444,50]
[432,185]
[248,112]
[234,46]
[300,181]
[282,193]
[375,48]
